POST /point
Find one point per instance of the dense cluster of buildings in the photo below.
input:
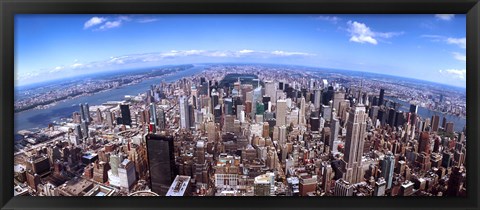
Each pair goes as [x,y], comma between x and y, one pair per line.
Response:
[266,132]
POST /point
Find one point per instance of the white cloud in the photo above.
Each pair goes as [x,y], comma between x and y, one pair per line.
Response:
[459,56]
[283,53]
[119,61]
[245,51]
[76,65]
[332,19]
[125,18]
[111,24]
[388,35]
[147,20]
[105,23]
[460,42]
[57,69]
[93,22]
[361,33]
[446,17]
[459,74]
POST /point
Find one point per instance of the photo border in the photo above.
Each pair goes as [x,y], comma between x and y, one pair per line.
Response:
[8,8]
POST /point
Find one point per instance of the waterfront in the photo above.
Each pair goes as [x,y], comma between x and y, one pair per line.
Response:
[39,118]
[425,113]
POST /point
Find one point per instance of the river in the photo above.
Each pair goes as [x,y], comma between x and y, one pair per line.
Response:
[458,122]
[39,118]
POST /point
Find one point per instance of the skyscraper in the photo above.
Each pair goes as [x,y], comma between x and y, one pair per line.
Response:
[282,135]
[161,119]
[126,118]
[228,106]
[184,116]
[355,140]
[78,132]
[256,98]
[84,126]
[153,114]
[454,181]
[435,122]
[318,99]
[301,117]
[109,118]
[413,108]
[271,90]
[161,162]
[387,166]
[337,98]
[380,99]
[424,143]
[334,128]
[281,112]
[126,173]
[99,117]
[343,188]
[87,112]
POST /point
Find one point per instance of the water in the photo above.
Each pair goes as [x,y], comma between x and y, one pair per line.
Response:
[458,122]
[39,118]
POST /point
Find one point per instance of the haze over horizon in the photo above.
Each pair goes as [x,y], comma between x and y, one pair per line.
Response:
[424,47]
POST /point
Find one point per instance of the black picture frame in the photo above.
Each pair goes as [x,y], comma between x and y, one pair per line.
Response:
[8,8]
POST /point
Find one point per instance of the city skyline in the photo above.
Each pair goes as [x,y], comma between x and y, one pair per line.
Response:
[425,47]
[241,130]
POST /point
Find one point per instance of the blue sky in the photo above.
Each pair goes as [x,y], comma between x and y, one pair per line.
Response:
[427,47]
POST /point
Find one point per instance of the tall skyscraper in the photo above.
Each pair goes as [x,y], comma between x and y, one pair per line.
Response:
[256,98]
[84,126]
[126,118]
[301,117]
[382,95]
[271,90]
[109,118]
[282,135]
[85,112]
[99,117]
[318,99]
[153,114]
[228,106]
[214,100]
[126,173]
[387,166]
[78,131]
[380,186]
[435,122]
[281,112]
[184,116]
[355,140]
[334,129]
[161,162]
[161,119]
[413,108]
[424,143]
[338,96]
[454,182]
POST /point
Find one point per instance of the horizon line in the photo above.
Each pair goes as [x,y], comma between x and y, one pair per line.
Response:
[213,63]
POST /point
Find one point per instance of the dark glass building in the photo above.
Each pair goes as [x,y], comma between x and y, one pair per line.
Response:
[126,118]
[161,162]
[382,95]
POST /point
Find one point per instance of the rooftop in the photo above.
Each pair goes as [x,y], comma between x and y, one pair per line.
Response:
[179,186]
